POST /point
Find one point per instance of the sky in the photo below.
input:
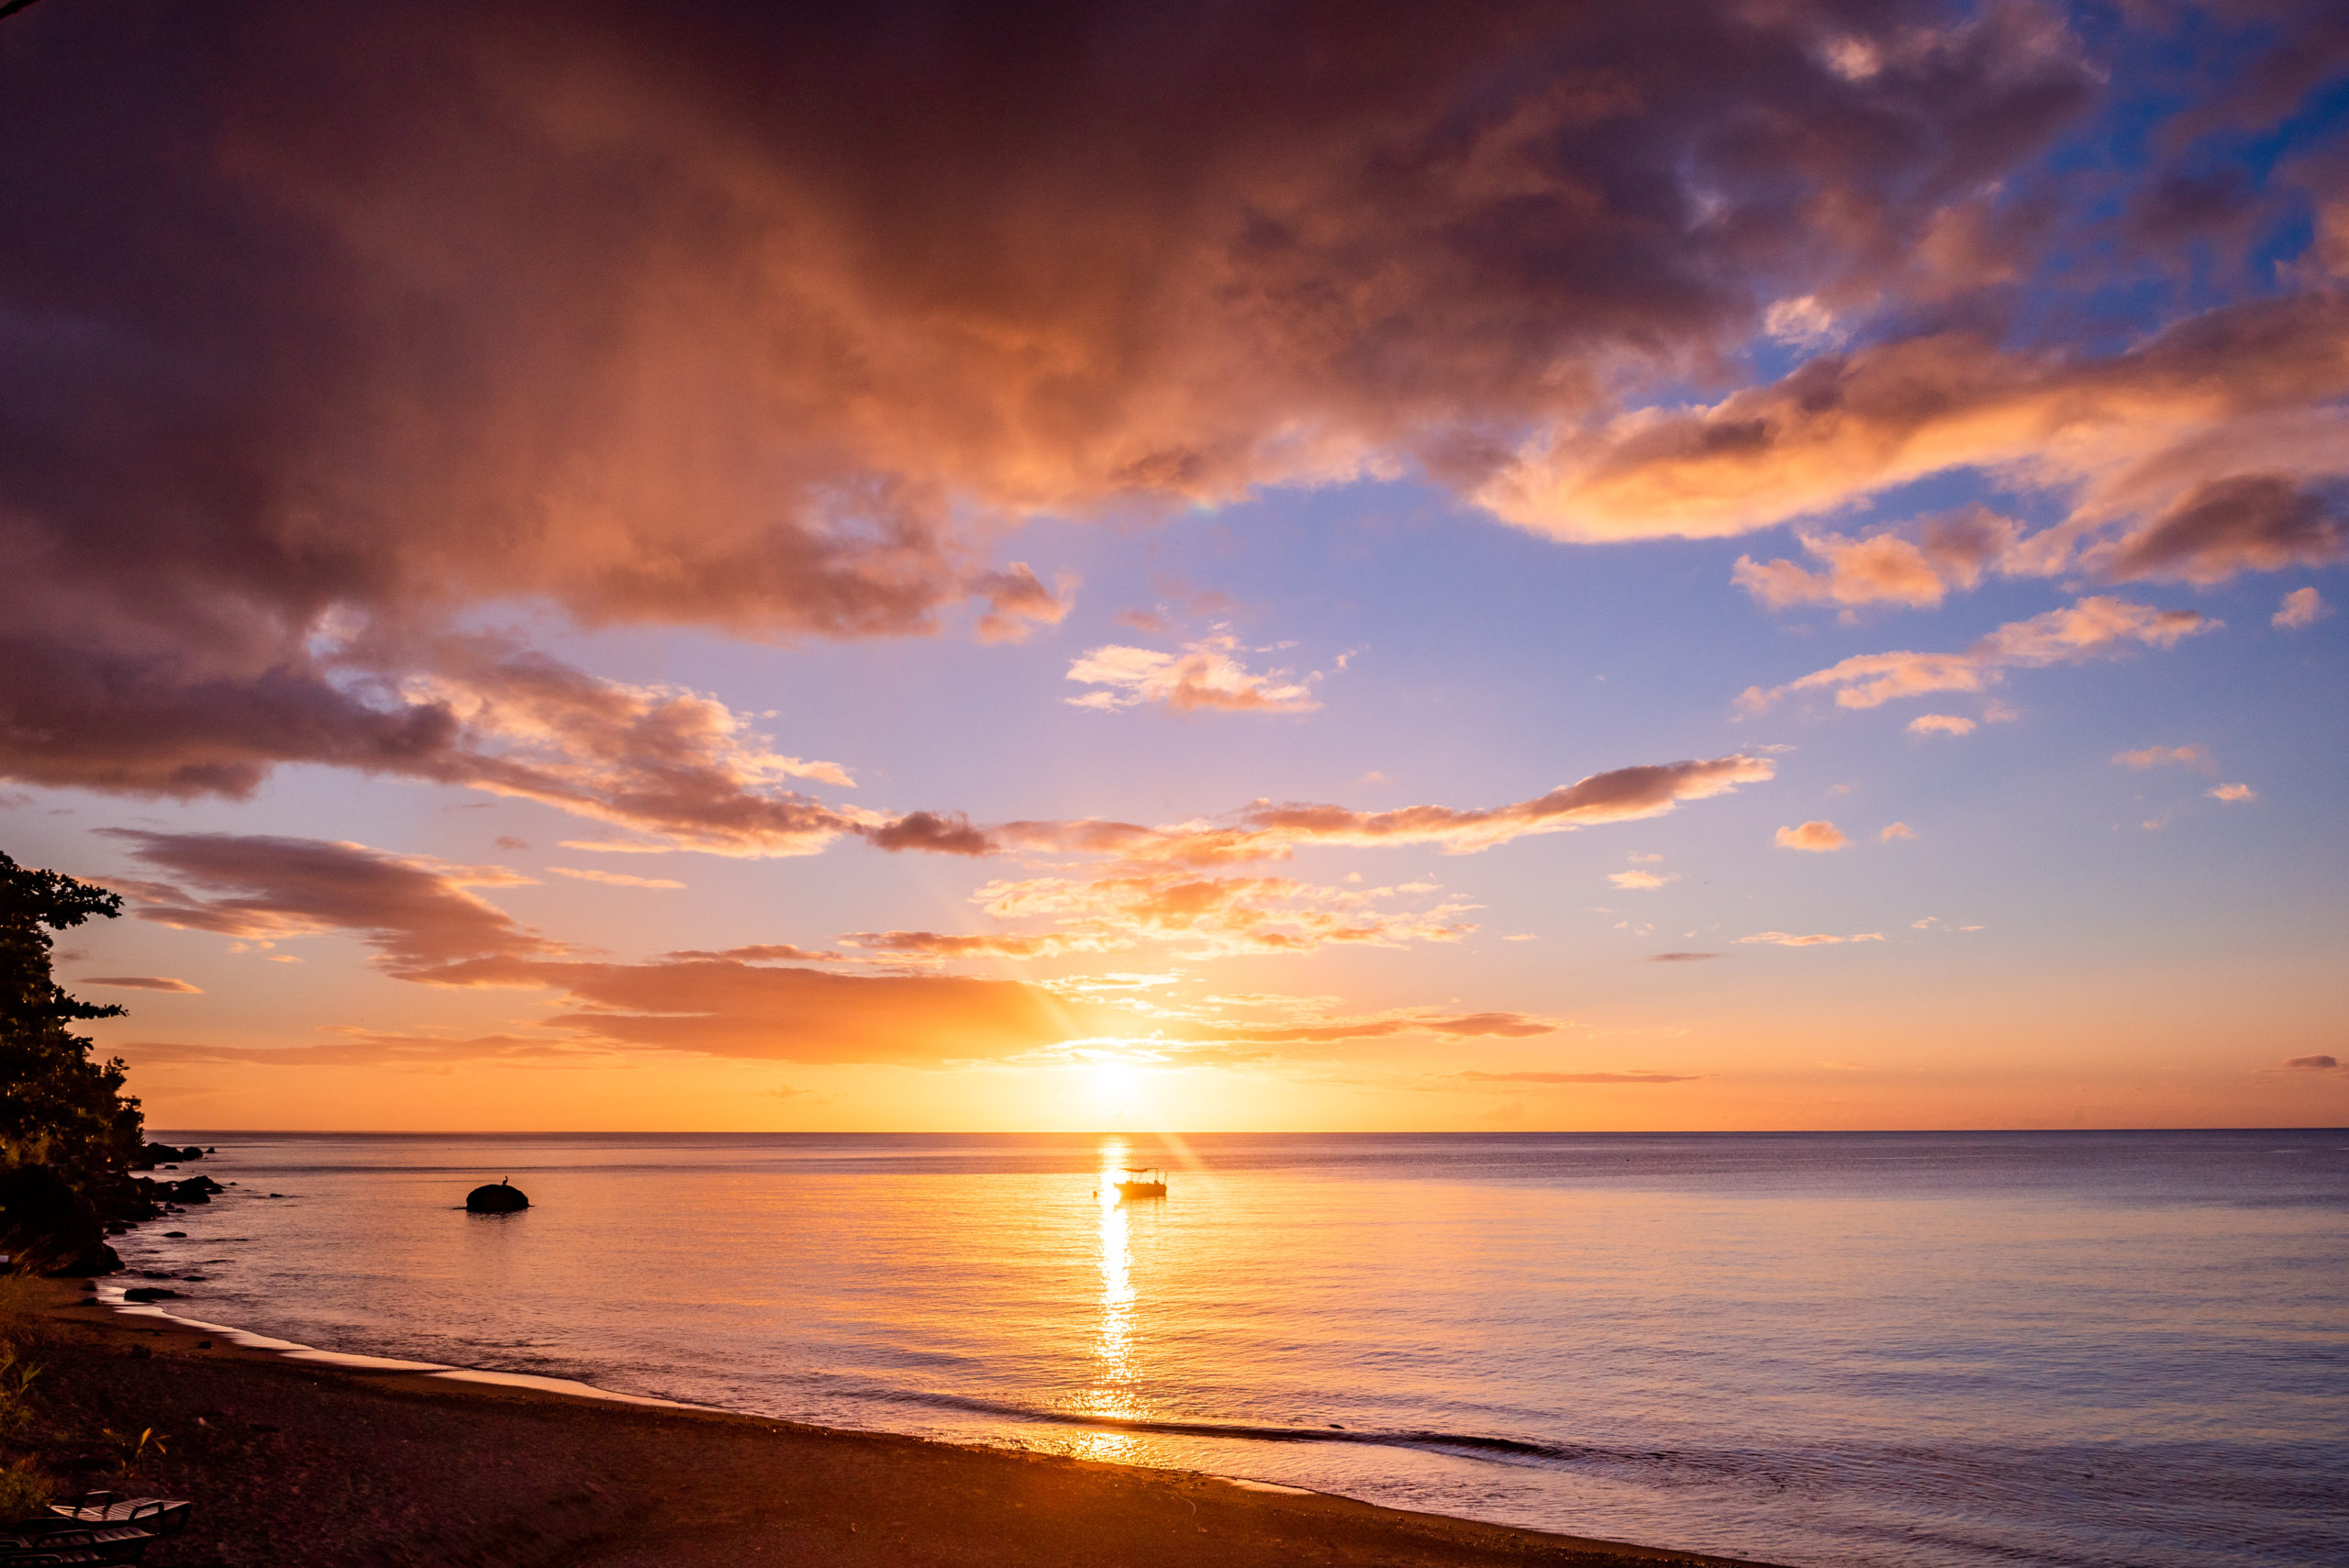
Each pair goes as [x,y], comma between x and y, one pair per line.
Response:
[1205,566]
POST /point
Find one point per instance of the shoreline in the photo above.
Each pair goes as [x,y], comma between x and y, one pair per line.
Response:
[632,1481]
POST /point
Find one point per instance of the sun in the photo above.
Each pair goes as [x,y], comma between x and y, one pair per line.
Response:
[1117,1084]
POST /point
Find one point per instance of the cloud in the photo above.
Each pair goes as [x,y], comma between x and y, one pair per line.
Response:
[938,833]
[2207,450]
[723,1008]
[613,878]
[1786,939]
[374,1050]
[1632,881]
[2301,608]
[1204,675]
[2234,791]
[1220,915]
[934,945]
[2256,522]
[1940,724]
[2312,1064]
[1680,957]
[761,953]
[1816,837]
[1950,552]
[1265,830]
[372,318]
[1018,602]
[1471,1026]
[1895,830]
[1577,1077]
[2158,756]
[143,982]
[2096,626]
[415,913]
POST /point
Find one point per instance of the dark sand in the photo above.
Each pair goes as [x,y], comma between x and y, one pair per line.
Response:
[297,1463]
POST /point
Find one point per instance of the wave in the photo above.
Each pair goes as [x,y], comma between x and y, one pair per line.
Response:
[1684,1465]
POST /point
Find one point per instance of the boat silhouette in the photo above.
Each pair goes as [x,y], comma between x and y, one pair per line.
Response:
[1151,1183]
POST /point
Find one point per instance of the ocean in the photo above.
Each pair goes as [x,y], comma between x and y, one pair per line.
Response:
[1819,1350]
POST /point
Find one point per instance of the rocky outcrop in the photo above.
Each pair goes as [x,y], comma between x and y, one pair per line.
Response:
[502,1197]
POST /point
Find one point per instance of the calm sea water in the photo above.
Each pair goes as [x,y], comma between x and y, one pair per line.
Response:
[2125,1349]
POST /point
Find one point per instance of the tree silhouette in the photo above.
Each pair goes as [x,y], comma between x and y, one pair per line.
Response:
[67,1131]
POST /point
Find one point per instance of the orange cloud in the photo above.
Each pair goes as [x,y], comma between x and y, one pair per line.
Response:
[415,913]
[613,878]
[1940,724]
[1633,881]
[928,945]
[2194,445]
[2233,793]
[1266,831]
[1815,836]
[1018,602]
[1821,938]
[2092,627]
[1220,915]
[1577,1077]
[1886,568]
[2301,608]
[2157,756]
[143,982]
[1204,675]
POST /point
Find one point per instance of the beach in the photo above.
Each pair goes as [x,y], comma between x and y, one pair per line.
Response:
[295,1462]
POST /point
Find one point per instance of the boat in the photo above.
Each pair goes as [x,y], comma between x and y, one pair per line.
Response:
[1141,1184]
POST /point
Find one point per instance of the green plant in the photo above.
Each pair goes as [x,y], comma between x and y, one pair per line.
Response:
[17,1379]
[24,1492]
[134,1452]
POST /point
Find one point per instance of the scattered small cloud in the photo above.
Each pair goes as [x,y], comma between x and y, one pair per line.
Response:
[1018,602]
[2098,627]
[1205,674]
[508,842]
[2301,608]
[1644,860]
[1680,957]
[2234,792]
[1802,321]
[1817,939]
[1577,1077]
[1895,830]
[2167,756]
[1632,881]
[1815,836]
[614,878]
[1995,712]
[1519,937]
[144,983]
[1940,724]
[2312,1064]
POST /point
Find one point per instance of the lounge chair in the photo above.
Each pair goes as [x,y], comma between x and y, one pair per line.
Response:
[156,1516]
[71,1547]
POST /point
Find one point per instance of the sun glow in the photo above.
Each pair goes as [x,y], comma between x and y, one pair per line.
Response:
[1117,1084]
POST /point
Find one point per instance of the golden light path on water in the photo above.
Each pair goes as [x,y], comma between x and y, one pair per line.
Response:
[1114,1348]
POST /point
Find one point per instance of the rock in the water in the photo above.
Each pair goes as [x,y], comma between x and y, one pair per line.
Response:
[150,1293]
[501,1199]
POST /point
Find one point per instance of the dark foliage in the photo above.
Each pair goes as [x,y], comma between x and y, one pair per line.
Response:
[67,1131]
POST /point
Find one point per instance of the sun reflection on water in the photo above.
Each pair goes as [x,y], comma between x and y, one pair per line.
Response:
[1114,1368]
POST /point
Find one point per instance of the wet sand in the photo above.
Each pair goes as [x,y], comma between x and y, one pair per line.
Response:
[296,1463]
